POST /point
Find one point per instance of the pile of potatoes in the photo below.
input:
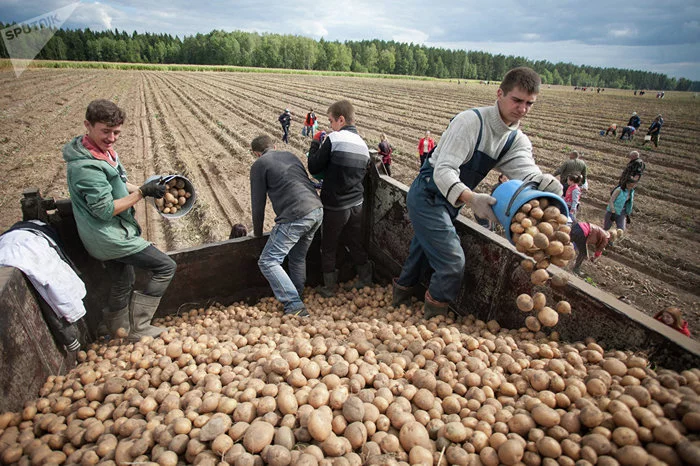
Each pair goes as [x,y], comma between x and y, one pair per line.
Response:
[175,197]
[359,383]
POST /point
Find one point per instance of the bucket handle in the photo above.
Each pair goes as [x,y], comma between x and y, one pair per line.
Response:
[517,192]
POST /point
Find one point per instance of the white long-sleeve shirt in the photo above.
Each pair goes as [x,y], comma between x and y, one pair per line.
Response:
[458,143]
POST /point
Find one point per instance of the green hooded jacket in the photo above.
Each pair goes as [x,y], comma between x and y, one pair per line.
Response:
[94,185]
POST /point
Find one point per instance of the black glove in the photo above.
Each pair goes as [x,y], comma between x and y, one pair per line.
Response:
[155,188]
[628,219]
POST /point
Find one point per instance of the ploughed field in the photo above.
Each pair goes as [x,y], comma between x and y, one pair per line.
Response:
[200,124]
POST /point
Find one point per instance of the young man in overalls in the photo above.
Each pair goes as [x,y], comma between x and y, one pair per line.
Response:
[476,141]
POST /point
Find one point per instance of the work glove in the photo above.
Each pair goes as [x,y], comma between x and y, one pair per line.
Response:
[548,183]
[481,206]
[154,188]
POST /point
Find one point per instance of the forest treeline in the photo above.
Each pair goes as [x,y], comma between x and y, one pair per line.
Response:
[240,48]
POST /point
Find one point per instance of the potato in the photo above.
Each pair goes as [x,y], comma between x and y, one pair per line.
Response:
[536,213]
[528,265]
[555,248]
[550,213]
[525,242]
[258,436]
[319,423]
[539,277]
[563,307]
[541,241]
[510,452]
[525,302]
[532,324]
[545,416]
[548,317]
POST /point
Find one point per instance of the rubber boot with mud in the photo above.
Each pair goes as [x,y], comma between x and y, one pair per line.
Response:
[141,311]
[364,275]
[115,320]
[432,308]
[330,280]
[401,294]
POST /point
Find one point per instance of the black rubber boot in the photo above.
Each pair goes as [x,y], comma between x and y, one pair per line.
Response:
[401,295]
[432,308]
[364,275]
[330,279]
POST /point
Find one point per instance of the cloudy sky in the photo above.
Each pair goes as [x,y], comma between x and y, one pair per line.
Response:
[660,36]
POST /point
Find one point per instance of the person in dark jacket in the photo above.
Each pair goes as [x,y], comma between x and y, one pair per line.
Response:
[281,176]
[634,169]
[635,121]
[343,158]
[654,131]
[103,202]
[285,120]
[385,151]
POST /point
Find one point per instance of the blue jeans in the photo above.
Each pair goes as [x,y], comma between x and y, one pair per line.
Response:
[291,240]
[435,241]
[121,272]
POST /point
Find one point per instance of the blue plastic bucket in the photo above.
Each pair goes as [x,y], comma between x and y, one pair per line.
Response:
[189,203]
[510,197]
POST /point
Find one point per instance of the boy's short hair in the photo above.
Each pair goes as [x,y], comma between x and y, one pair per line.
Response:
[106,112]
[523,77]
[575,178]
[261,143]
[342,108]
[238,231]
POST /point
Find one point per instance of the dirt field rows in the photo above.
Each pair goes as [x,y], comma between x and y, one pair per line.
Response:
[201,124]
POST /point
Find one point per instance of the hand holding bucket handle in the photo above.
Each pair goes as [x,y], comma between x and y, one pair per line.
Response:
[154,188]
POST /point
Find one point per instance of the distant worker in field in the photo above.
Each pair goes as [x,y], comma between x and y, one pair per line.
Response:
[635,121]
[281,176]
[385,151]
[627,133]
[285,120]
[573,166]
[309,123]
[343,158]
[425,145]
[612,129]
[654,130]
[475,142]
[634,169]
[584,234]
[103,203]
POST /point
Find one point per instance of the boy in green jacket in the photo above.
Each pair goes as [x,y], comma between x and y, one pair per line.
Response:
[103,203]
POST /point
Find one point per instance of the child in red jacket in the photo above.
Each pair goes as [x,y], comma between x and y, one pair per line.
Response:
[671,316]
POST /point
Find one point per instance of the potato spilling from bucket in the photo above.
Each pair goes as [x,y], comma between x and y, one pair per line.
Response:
[539,230]
[175,197]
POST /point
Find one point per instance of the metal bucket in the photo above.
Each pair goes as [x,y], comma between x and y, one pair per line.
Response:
[189,202]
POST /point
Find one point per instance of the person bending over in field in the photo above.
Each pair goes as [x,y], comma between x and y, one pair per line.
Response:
[343,158]
[584,234]
[281,176]
[103,205]
[475,142]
